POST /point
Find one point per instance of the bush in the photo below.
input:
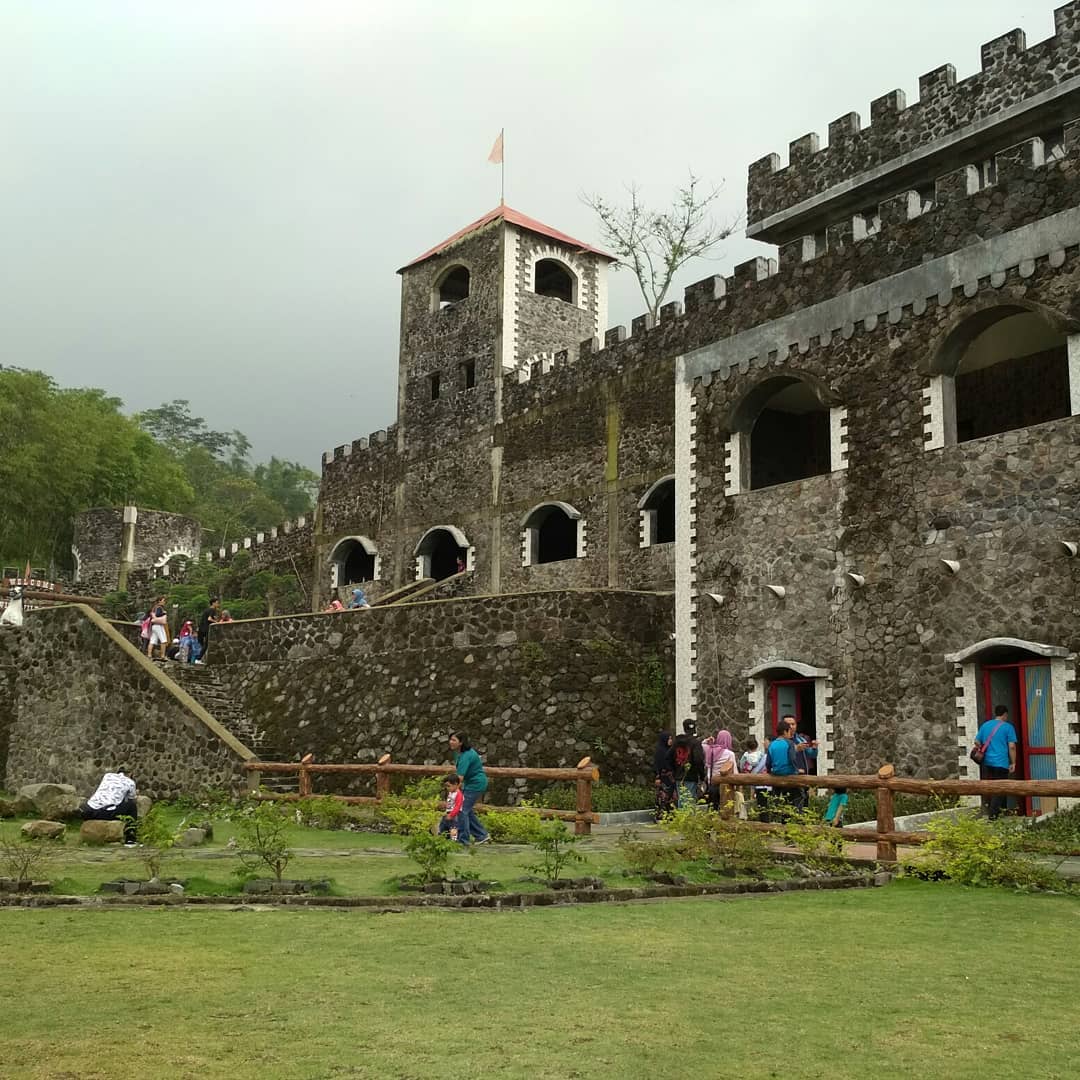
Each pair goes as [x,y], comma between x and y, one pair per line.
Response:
[431,852]
[723,843]
[606,798]
[555,847]
[645,856]
[1060,831]
[261,836]
[322,812]
[157,839]
[210,803]
[512,826]
[975,851]
[26,859]
[862,805]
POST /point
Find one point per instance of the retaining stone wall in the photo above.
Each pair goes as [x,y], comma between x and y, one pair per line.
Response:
[84,705]
[540,679]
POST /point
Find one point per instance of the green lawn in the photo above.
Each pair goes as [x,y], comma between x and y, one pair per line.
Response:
[913,980]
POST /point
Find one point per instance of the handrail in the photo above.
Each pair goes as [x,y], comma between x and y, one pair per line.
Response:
[885,783]
[584,775]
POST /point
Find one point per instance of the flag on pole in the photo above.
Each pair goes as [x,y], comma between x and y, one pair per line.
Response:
[496,155]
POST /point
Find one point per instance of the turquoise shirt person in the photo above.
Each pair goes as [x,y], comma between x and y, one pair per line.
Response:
[468,766]
[781,758]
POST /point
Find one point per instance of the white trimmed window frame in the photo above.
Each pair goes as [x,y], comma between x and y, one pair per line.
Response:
[530,533]
[565,260]
[758,705]
[337,563]
[423,560]
[647,516]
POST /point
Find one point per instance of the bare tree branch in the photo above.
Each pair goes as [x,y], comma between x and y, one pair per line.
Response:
[655,245]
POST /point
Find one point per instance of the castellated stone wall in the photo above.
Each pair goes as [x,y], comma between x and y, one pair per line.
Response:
[540,679]
[78,701]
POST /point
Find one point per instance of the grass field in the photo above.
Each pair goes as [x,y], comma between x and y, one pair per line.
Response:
[913,980]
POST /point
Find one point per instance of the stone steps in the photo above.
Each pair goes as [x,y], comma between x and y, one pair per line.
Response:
[203,684]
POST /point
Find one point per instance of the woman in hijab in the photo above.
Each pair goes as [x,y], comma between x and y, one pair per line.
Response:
[720,761]
[663,776]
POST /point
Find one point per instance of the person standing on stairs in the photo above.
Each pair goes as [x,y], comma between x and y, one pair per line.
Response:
[210,615]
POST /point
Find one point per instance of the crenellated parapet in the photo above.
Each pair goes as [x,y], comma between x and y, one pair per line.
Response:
[269,547]
[373,443]
[1020,93]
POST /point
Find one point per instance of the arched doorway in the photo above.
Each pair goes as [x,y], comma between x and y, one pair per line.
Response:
[781,688]
[657,508]
[354,560]
[442,552]
[1021,676]
[551,532]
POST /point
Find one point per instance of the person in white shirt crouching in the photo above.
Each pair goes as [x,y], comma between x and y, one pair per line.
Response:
[114,800]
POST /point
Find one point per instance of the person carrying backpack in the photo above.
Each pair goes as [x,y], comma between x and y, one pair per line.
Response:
[688,765]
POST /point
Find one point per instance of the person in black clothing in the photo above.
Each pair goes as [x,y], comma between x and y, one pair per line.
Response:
[687,757]
[662,774]
[210,615]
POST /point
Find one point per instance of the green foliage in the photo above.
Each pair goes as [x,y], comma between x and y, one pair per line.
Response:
[646,856]
[1060,831]
[26,859]
[321,812]
[210,803]
[261,836]
[650,693]
[427,788]
[532,653]
[157,838]
[408,815]
[606,798]
[512,826]
[431,852]
[972,850]
[722,843]
[862,805]
[555,846]
[117,605]
[802,830]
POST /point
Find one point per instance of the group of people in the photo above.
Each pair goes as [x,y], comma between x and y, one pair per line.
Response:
[464,786]
[359,600]
[688,770]
[190,645]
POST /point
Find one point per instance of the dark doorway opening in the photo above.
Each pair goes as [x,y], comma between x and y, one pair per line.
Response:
[794,697]
[443,555]
[553,279]
[556,536]
[357,566]
[790,438]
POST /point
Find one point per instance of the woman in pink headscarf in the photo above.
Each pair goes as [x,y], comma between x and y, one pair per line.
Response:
[720,762]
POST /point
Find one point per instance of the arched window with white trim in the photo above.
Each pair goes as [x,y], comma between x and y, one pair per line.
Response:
[657,510]
[552,532]
[354,560]
[451,287]
[555,279]
[443,551]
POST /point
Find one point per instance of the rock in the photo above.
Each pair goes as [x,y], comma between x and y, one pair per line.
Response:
[56,802]
[143,802]
[8,808]
[882,877]
[176,888]
[101,832]
[43,830]
[191,838]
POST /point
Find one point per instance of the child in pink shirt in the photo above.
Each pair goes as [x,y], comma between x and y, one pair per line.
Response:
[454,799]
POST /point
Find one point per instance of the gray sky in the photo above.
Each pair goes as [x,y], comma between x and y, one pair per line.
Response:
[207,199]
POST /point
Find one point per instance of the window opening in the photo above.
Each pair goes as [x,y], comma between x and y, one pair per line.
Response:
[467,371]
[926,197]
[790,437]
[551,535]
[453,287]
[441,555]
[866,223]
[1053,145]
[659,514]
[986,173]
[551,278]
[434,385]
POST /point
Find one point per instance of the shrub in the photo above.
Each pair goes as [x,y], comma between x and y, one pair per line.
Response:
[724,843]
[555,847]
[157,839]
[802,830]
[431,852]
[1060,831]
[975,851]
[322,812]
[512,826]
[862,805]
[26,859]
[645,856]
[261,836]
[211,803]
[606,798]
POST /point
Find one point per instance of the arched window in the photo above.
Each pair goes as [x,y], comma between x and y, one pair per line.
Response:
[353,560]
[1004,368]
[657,508]
[552,278]
[442,551]
[552,532]
[451,287]
[788,428]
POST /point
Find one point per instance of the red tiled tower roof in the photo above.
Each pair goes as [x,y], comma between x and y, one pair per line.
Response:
[513,217]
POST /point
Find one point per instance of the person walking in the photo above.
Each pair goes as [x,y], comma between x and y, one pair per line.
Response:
[688,765]
[209,616]
[996,741]
[720,762]
[470,768]
[780,761]
[663,777]
[159,629]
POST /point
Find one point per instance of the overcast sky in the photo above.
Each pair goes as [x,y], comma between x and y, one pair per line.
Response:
[208,199]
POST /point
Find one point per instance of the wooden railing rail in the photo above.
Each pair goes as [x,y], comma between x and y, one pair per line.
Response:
[584,775]
[886,783]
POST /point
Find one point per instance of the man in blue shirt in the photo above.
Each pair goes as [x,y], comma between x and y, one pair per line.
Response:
[998,739]
[781,760]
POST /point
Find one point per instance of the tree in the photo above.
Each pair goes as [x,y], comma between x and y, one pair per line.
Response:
[655,244]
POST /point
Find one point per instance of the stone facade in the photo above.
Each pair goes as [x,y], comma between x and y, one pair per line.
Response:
[80,700]
[535,679]
[127,548]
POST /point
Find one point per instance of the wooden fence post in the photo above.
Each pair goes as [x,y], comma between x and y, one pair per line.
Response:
[886,822]
[583,821]
[382,781]
[304,785]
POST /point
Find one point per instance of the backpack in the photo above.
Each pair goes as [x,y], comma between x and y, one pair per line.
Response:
[145,632]
[682,757]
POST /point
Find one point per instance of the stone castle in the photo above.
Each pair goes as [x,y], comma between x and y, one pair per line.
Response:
[843,482]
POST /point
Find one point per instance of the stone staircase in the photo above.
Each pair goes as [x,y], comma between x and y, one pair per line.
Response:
[202,683]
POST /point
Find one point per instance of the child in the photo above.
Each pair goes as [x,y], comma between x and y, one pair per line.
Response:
[834,814]
[454,798]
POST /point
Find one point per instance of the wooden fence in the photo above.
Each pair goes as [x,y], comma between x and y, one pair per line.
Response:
[886,783]
[583,775]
